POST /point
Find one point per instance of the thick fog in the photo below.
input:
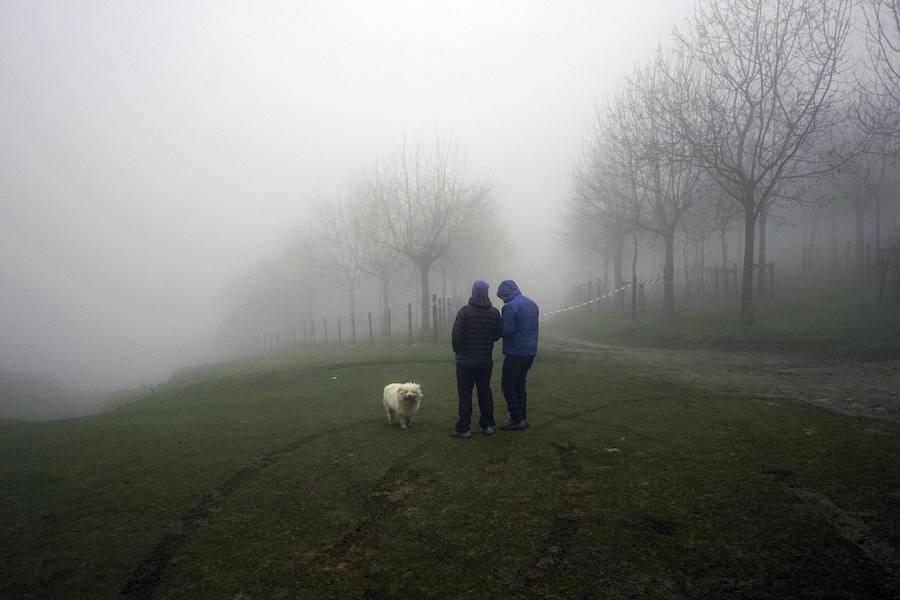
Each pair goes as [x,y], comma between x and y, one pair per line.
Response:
[152,152]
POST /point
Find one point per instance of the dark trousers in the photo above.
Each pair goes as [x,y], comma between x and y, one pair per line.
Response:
[466,379]
[512,383]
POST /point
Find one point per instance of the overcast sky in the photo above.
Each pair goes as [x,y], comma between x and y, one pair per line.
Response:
[150,150]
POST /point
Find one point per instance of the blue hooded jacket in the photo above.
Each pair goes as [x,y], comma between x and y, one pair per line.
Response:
[519,321]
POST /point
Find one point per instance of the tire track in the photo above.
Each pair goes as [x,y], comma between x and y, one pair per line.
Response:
[571,508]
[391,490]
[390,493]
[148,574]
[853,530]
[570,511]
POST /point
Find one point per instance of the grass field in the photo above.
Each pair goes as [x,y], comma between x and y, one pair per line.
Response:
[807,316]
[281,479]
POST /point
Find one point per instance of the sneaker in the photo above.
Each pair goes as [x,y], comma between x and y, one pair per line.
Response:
[514,426]
[461,434]
[488,430]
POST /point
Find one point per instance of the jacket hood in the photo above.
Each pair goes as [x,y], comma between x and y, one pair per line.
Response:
[508,290]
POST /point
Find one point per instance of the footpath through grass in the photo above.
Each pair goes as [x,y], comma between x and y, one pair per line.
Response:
[286,482]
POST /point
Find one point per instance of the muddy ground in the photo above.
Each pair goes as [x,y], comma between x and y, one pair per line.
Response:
[856,385]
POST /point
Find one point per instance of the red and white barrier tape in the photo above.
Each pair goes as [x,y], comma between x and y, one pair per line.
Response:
[643,282]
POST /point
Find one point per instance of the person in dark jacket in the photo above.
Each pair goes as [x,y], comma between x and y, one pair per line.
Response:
[475,329]
[520,338]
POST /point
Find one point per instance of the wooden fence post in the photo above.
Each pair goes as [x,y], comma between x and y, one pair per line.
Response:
[409,320]
[434,316]
[716,279]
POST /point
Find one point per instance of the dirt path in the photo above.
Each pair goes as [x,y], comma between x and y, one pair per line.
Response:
[847,386]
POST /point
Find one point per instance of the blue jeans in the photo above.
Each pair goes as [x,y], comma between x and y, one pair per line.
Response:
[466,379]
[512,383]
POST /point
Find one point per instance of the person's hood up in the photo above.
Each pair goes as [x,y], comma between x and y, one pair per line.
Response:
[480,296]
[508,290]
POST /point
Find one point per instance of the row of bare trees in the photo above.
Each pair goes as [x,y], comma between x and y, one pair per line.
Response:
[418,209]
[760,107]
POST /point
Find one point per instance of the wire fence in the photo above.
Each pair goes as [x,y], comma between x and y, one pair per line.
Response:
[408,324]
[405,324]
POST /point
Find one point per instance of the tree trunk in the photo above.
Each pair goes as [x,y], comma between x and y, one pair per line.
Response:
[605,277]
[353,315]
[763,217]
[634,282]
[860,242]
[877,232]
[618,258]
[426,300]
[747,278]
[834,245]
[385,283]
[669,273]
[723,238]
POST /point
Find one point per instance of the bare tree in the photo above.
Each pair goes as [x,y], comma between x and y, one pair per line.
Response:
[602,191]
[764,75]
[429,206]
[864,183]
[880,105]
[877,176]
[581,229]
[376,257]
[589,228]
[340,246]
[712,213]
[663,179]
[470,255]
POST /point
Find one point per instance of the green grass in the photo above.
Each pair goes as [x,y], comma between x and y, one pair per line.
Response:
[282,480]
[819,318]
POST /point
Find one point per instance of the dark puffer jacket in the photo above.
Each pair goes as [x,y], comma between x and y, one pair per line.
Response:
[476,328]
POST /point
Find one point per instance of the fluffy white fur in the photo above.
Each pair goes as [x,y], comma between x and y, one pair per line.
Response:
[401,402]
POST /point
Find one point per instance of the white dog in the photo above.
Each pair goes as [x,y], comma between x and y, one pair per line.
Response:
[402,401]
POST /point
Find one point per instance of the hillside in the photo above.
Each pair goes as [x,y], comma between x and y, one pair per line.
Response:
[280,479]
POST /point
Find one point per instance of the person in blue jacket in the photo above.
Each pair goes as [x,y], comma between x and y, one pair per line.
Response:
[519,329]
